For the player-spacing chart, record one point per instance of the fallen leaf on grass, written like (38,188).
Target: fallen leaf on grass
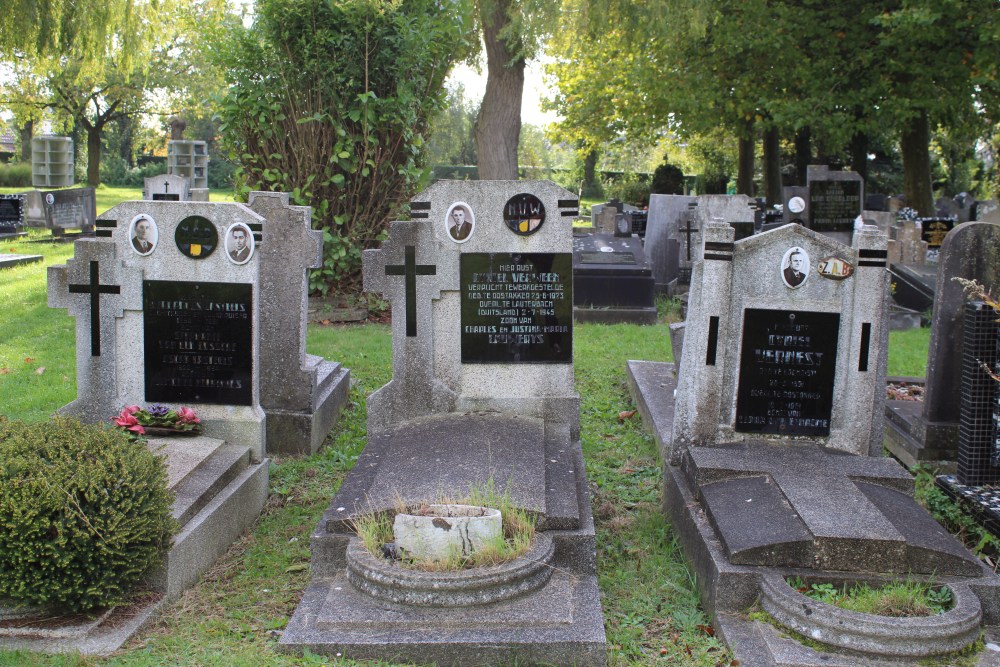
(297,568)
(39,370)
(626,414)
(707,629)
(29,360)
(4,371)
(325,322)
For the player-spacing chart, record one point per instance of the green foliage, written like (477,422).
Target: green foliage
(956,520)
(629,188)
(330,102)
(86,513)
(452,139)
(115,171)
(906,598)
(16,175)
(668,179)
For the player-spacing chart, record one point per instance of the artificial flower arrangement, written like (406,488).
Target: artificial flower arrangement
(158,420)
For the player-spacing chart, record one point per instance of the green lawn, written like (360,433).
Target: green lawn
(110,196)
(232,617)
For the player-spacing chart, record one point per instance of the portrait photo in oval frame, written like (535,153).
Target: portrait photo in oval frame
(795,265)
(239,243)
(143,234)
(460,222)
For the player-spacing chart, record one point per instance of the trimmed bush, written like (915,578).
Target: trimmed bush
(84,513)
(16,175)
(667,180)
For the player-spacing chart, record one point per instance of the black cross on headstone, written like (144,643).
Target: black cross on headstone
(687,232)
(411,270)
(95,289)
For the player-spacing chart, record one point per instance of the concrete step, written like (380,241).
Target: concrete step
(202,485)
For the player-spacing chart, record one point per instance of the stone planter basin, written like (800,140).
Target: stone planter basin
(440,532)
(895,637)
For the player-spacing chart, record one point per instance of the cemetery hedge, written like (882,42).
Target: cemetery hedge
(330,102)
(86,513)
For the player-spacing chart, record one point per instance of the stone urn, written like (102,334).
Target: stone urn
(440,532)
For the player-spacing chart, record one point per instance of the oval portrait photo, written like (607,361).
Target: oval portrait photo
(795,267)
(144,234)
(239,243)
(460,222)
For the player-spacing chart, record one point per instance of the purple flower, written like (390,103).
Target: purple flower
(158,410)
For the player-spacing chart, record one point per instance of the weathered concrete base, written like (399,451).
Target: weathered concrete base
(558,622)
(219,495)
(303,432)
(10,261)
(914,441)
(615,315)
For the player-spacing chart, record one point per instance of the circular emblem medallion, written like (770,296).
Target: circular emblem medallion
(524,214)
(196,237)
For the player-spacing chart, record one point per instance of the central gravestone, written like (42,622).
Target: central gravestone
(480,282)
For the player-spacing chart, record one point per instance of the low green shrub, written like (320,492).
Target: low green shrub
(16,175)
(630,189)
(84,513)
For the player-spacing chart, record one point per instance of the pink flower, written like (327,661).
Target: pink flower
(130,410)
(187,416)
(128,422)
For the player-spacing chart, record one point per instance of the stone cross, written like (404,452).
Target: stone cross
(410,269)
(94,288)
(688,229)
(839,520)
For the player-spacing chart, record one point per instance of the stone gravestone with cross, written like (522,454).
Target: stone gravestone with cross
(773,437)
(166,187)
(202,305)
(480,282)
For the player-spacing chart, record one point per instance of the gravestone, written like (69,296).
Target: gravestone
(166,187)
(772,443)
(482,390)
(918,431)
(11,215)
(988,211)
(835,200)
(196,304)
(200,306)
(612,280)
(662,246)
(75,208)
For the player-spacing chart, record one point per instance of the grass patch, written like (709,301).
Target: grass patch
(903,599)
(908,351)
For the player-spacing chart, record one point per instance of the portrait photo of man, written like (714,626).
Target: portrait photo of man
(795,267)
(460,222)
(144,234)
(239,243)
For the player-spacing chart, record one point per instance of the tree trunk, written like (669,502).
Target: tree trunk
(915,143)
(94,156)
(27,131)
(744,176)
(803,154)
(859,154)
(591,186)
(498,127)
(772,166)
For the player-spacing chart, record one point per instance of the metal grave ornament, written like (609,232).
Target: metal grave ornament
(196,237)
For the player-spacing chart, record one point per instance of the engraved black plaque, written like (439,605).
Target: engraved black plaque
(833,205)
(196,237)
(524,214)
(198,341)
(933,230)
(517,308)
(166,196)
(787,367)
(11,209)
